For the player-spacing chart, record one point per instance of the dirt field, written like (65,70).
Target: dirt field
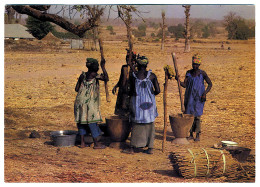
(39,95)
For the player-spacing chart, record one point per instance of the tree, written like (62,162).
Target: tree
(163,26)
(111,29)
(196,29)
(10,12)
(124,12)
(141,30)
(230,24)
(39,29)
(177,31)
(212,29)
(187,28)
(242,31)
(40,12)
(64,35)
(205,31)
(237,27)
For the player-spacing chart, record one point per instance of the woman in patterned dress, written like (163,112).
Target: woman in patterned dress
(143,88)
(87,103)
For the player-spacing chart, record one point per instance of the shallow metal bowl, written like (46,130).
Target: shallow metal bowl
(64,138)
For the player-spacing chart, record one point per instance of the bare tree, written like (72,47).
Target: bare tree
(187,28)
(124,12)
(163,26)
(10,12)
(40,12)
(230,24)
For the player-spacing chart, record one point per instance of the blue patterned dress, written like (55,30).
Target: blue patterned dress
(143,105)
(143,113)
(194,90)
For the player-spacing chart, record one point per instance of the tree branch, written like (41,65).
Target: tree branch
(43,16)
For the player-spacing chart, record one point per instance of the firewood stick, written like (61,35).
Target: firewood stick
(179,84)
(165,109)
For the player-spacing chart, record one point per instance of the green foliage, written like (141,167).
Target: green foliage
(196,29)
(111,29)
(77,22)
(39,29)
(252,32)
(237,28)
(142,27)
(138,33)
(212,28)
(152,35)
(159,34)
(89,34)
(202,30)
(242,30)
(154,25)
(141,31)
(11,21)
(205,31)
(177,31)
(64,35)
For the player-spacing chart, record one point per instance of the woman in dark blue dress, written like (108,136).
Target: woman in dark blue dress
(195,94)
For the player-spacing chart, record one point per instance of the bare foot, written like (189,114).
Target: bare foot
(99,147)
(128,151)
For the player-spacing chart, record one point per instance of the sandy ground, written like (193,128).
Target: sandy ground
(39,95)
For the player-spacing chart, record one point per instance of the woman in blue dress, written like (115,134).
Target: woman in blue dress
(143,88)
(195,94)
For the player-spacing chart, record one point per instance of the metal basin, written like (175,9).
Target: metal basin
(63,138)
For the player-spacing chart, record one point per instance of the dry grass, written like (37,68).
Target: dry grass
(39,95)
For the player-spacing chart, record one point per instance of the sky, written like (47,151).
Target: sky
(201,11)
(177,11)
(197,11)
(153,9)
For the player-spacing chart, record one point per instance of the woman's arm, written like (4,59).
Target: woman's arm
(104,76)
(155,84)
(208,81)
(183,84)
(131,85)
(119,81)
(80,79)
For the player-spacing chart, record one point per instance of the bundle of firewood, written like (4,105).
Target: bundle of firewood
(208,162)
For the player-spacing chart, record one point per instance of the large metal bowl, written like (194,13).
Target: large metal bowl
(63,138)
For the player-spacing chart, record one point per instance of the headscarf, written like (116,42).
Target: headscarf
(143,60)
(196,59)
(92,63)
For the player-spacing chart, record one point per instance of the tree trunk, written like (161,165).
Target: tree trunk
(187,28)
(10,14)
(163,30)
(100,41)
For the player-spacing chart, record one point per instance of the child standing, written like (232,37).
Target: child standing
(86,106)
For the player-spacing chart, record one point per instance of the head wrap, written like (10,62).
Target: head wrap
(92,63)
(143,60)
(196,59)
